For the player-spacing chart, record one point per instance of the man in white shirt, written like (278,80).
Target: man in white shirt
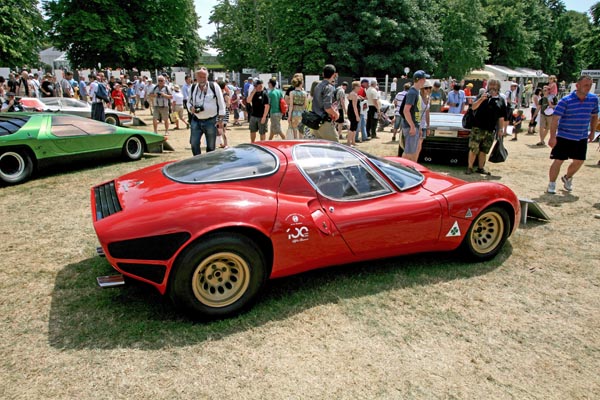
(207,106)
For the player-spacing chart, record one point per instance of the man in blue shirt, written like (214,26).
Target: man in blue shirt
(456,100)
(569,133)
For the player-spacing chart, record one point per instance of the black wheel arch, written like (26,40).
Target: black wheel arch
(257,237)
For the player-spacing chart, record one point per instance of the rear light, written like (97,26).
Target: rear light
(463,134)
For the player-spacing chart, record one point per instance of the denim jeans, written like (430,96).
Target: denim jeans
(201,127)
(362,129)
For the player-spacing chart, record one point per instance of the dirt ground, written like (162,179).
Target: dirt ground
(524,326)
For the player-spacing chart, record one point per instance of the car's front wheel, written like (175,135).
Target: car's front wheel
(487,234)
(218,276)
(112,119)
(133,149)
(16,166)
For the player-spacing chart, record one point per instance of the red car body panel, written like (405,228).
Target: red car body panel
(306,230)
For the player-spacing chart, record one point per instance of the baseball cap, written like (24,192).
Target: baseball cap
(420,74)
(344,83)
(258,82)
(437,84)
(427,84)
(373,81)
(513,83)
(363,80)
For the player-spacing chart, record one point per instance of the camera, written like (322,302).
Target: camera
(158,94)
(198,109)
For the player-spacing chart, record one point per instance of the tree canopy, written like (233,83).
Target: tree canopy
(136,33)
(361,37)
(22,33)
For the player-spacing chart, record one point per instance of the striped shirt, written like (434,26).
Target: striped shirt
(575,116)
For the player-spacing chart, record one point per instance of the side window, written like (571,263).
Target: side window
(10,124)
(338,174)
(64,127)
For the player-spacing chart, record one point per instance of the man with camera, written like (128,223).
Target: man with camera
(11,104)
(207,106)
(490,112)
(161,97)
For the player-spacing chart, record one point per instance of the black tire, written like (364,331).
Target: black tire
(133,149)
(16,166)
(487,234)
(219,276)
(112,119)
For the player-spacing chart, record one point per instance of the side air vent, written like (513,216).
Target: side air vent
(107,202)
(160,247)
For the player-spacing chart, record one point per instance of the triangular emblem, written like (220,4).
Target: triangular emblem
(469,214)
(454,231)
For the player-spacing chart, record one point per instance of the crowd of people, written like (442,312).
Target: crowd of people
(205,107)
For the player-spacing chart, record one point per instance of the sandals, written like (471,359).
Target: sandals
(483,171)
(540,143)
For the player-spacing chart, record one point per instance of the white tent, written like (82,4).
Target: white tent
(479,74)
(503,73)
(530,73)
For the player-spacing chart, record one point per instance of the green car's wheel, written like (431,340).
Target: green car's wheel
(112,119)
(487,234)
(218,276)
(133,149)
(15,166)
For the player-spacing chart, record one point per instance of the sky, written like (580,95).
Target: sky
(204,8)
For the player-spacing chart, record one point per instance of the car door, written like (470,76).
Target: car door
(375,218)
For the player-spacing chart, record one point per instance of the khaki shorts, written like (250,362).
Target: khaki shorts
(161,112)
(327,132)
(545,121)
(276,123)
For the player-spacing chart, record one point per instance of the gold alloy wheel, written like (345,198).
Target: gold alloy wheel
(487,232)
(221,279)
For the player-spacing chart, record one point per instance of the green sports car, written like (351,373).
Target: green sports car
(29,141)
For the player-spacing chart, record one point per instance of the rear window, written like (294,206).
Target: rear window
(10,124)
(241,162)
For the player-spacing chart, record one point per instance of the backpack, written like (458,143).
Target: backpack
(283,106)
(102,93)
(211,85)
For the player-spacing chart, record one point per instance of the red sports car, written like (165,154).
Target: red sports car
(209,231)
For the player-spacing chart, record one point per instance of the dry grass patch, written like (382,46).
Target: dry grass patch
(525,325)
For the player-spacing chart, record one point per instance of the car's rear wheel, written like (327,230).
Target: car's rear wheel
(112,119)
(133,149)
(218,276)
(487,233)
(16,166)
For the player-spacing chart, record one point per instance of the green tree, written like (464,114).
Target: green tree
(136,33)
(509,38)
(465,46)
(378,38)
(21,35)
(575,29)
(589,45)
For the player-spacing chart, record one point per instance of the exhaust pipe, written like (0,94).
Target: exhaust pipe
(110,281)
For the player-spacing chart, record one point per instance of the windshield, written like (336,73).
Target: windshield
(403,177)
(241,162)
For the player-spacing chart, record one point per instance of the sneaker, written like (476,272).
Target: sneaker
(551,188)
(567,182)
